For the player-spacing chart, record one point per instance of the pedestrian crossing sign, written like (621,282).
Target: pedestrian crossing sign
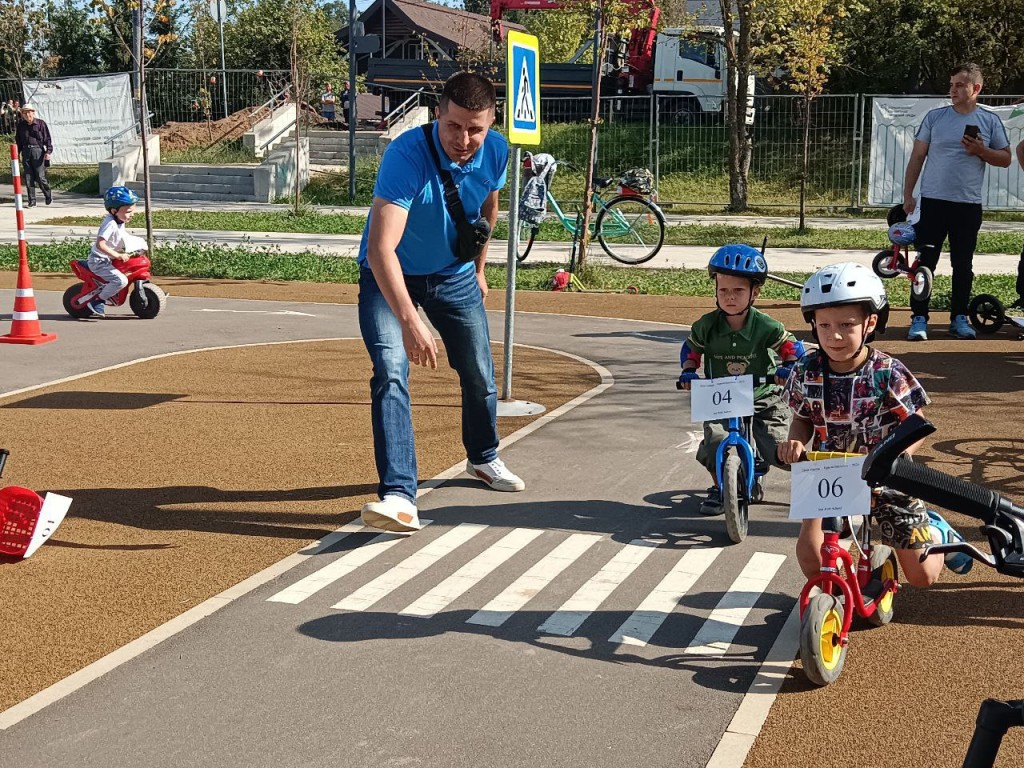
(522,88)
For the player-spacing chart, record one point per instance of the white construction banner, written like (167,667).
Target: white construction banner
(84,115)
(894,122)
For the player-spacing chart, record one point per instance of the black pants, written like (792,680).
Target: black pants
(35,173)
(1020,275)
(961,222)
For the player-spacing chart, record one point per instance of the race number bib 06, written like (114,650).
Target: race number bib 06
(724,398)
(830,488)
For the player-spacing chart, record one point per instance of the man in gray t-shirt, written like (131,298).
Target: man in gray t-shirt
(957,141)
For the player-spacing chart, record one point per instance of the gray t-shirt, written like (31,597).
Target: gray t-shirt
(949,172)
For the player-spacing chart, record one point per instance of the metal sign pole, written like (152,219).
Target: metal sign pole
(510,288)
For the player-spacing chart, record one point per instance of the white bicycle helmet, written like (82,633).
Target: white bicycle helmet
(846,283)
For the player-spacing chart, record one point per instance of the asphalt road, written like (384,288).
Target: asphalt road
(586,621)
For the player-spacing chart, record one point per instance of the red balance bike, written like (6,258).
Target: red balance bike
(895,261)
(867,590)
(145,299)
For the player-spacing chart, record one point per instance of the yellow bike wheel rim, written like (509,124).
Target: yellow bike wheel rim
(888,572)
(831,630)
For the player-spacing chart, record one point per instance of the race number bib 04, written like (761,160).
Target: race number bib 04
(724,398)
(830,488)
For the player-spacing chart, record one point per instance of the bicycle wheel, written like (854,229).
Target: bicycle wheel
(880,264)
(821,651)
(883,566)
(921,283)
(735,505)
(527,233)
(987,313)
(630,229)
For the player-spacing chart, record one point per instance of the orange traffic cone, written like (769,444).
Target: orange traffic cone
(25,320)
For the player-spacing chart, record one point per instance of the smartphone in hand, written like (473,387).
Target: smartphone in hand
(972,131)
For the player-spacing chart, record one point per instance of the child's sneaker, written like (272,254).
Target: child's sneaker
(960,327)
(392,513)
(497,475)
(712,505)
(97,308)
(957,562)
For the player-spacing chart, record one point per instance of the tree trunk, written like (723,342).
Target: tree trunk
(144,135)
(807,159)
(595,116)
(296,92)
(738,54)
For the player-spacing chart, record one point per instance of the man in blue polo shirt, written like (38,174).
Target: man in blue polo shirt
(409,258)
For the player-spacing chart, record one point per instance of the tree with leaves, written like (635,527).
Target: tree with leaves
(560,33)
(807,41)
(75,41)
(23,34)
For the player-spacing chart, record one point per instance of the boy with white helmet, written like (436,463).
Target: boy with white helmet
(847,398)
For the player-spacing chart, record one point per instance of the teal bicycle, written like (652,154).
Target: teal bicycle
(629,226)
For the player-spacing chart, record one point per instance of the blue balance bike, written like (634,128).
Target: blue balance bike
(739,470)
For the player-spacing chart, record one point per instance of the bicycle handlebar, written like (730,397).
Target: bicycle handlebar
(1004,520)
(4,453)
(758,380)
(994,719)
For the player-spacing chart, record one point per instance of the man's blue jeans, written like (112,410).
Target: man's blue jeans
(455,307)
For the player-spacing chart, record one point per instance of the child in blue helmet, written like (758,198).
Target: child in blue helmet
(109,246)
(738,339)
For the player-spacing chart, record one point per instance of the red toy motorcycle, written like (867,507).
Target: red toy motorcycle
(145,299)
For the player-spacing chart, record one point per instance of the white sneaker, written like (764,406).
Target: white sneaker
(496,475)
(392,513)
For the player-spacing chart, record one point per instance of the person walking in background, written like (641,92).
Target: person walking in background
(415,253)
(953,145)
(35,148)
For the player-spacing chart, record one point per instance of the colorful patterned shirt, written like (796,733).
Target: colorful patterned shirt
(862,406)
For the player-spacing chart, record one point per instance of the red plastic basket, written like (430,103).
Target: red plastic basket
(19,515)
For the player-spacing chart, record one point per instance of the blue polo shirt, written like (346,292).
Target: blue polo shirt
(408,177)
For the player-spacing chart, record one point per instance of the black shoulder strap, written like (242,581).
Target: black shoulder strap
(451,192)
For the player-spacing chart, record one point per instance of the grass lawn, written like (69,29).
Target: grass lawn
(690,234)
(198,260)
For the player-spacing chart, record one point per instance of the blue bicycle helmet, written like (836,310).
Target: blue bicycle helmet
(739,260)
(118,196)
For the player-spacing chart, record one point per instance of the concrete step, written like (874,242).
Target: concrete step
(224,198)
(200,190)
(202,170)
(195,178)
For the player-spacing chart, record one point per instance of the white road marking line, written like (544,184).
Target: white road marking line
(588,598)
(368,594)
(343,566)
(718,632)
(258,312)
(640,627)
(749,719)
(471,573)
(527,586)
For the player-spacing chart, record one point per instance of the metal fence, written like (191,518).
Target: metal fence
(195,95)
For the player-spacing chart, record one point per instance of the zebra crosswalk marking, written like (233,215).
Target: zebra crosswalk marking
(718,632)
(591,595)
(471,573)
(369,594)
(640,627)
(343,566)
(527,586)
